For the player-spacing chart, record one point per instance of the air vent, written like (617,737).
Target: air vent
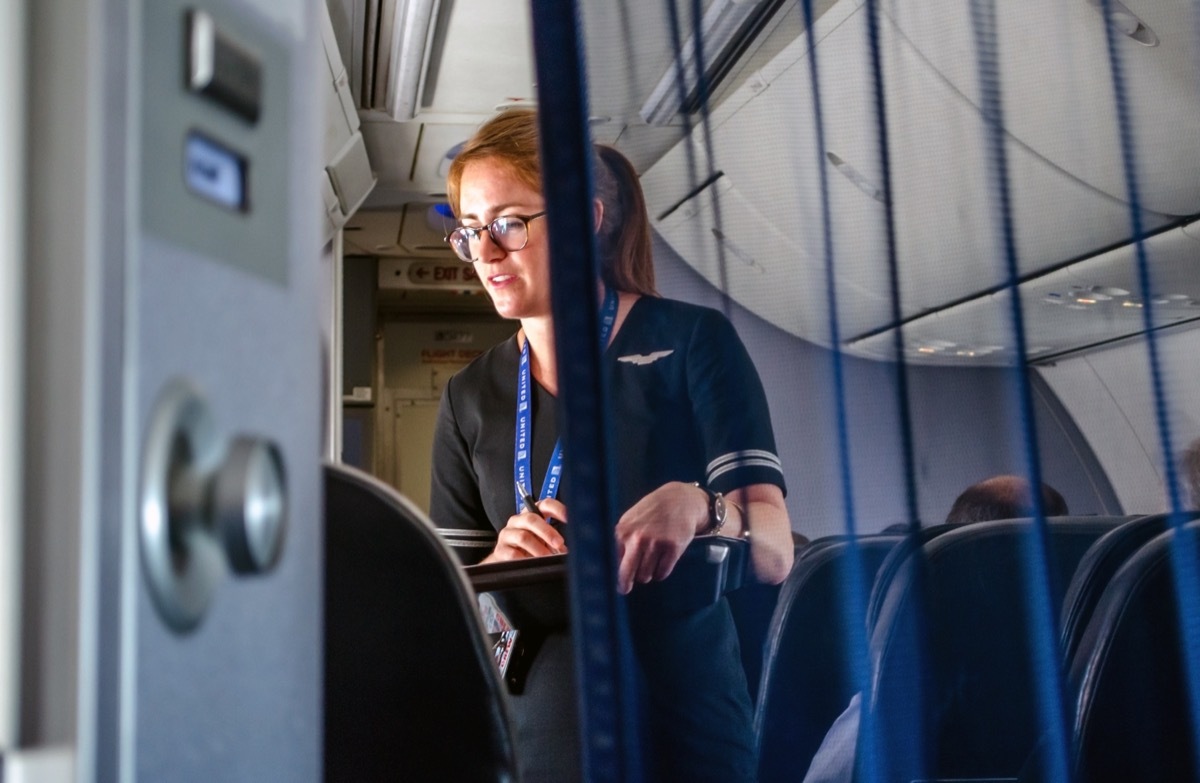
(391,28)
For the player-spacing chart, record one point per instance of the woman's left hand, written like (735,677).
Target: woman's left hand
(652,535)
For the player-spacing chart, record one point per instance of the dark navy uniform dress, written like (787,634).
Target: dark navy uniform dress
(687,405)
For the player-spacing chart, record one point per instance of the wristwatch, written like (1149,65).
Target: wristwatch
(716,511)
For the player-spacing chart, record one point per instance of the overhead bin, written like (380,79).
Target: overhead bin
(943,193)
(348,178)
(1056,77)
(742,253)
(1089,303)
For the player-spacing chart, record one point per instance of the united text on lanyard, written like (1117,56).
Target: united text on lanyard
(523,443)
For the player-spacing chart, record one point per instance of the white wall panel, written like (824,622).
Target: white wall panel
(1110,395)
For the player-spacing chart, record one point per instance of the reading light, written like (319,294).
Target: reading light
(723,31)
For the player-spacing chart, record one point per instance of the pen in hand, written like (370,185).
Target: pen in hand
(531,507)
(527,499)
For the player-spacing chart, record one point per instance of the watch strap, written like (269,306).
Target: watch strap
(717,511)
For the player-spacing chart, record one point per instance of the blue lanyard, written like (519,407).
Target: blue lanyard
(524,439)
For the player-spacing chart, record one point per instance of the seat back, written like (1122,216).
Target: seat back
(1133,720)
(954,690)
(892,563)
(1098,566)
(752,607)
(807,676)
(411,689)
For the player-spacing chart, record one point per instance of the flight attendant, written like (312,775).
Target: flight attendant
(695,454)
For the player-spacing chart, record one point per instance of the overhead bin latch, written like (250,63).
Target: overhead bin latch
(1125,21)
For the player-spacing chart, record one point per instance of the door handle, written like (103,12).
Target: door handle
(205,504)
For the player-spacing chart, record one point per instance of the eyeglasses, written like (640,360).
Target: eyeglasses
(509,232)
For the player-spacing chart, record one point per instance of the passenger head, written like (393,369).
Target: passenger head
(1003,497)
(623,237)
(1189,475)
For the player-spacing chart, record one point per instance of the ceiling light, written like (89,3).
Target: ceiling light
(440,218)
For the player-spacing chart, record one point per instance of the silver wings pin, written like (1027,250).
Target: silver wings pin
(644,358)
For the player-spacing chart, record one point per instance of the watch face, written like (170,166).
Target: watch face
(718,509)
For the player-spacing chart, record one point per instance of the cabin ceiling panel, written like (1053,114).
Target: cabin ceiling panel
(371,233)
(410,159)
(423,230)
(1091,302)
(945,197)
(1058,89)
(434,155)
(415,230)
(391,147)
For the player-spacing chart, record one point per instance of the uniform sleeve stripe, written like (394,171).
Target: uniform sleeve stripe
(742,465)
(739,457)
(726,468)
(459,544)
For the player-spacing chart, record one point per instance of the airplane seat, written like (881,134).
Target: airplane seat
(411,689)
(1133,719)
(892,563)
(1099,564)
(954,689)
(753,606)
(807,676)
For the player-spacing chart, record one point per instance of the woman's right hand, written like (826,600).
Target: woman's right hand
(528,535)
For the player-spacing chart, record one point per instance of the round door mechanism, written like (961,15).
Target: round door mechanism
(250,504)
(204,504)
